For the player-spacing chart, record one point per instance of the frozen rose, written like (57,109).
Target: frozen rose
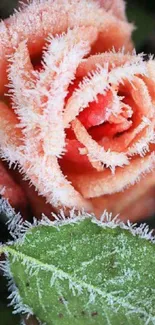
(79,124)
(118,138)
(41,19)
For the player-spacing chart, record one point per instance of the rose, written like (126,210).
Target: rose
(73,108)
(34,24)
(136,132)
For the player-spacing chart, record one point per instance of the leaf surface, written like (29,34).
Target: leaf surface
(85,273)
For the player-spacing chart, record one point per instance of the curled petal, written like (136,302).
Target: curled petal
(86,93)
(43,125)
(43,99)
(96,184)
(117,7)
(96,152)
(136,203)
(40,19)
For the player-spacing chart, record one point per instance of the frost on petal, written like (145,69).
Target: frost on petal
(117,7)
(10,134)
(150,78)
(112,58)
(97,184)
(39,103)
(46,175)
(130,134)
(134,203)
(42,99)
(86,92)
(79,125)
(40,19)
(95,152)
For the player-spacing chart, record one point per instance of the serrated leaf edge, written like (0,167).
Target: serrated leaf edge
(19,229)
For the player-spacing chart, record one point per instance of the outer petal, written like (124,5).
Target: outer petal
(134,204)
(12,191)
(36,157)
(117,7)
(41,19)
(100,183)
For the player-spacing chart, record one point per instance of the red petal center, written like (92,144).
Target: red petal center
(94,120)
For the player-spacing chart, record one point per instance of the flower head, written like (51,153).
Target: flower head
(80,125)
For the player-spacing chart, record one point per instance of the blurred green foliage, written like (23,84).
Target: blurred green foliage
(144,22)
(7,316)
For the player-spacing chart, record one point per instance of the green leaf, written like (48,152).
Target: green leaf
(84,272)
